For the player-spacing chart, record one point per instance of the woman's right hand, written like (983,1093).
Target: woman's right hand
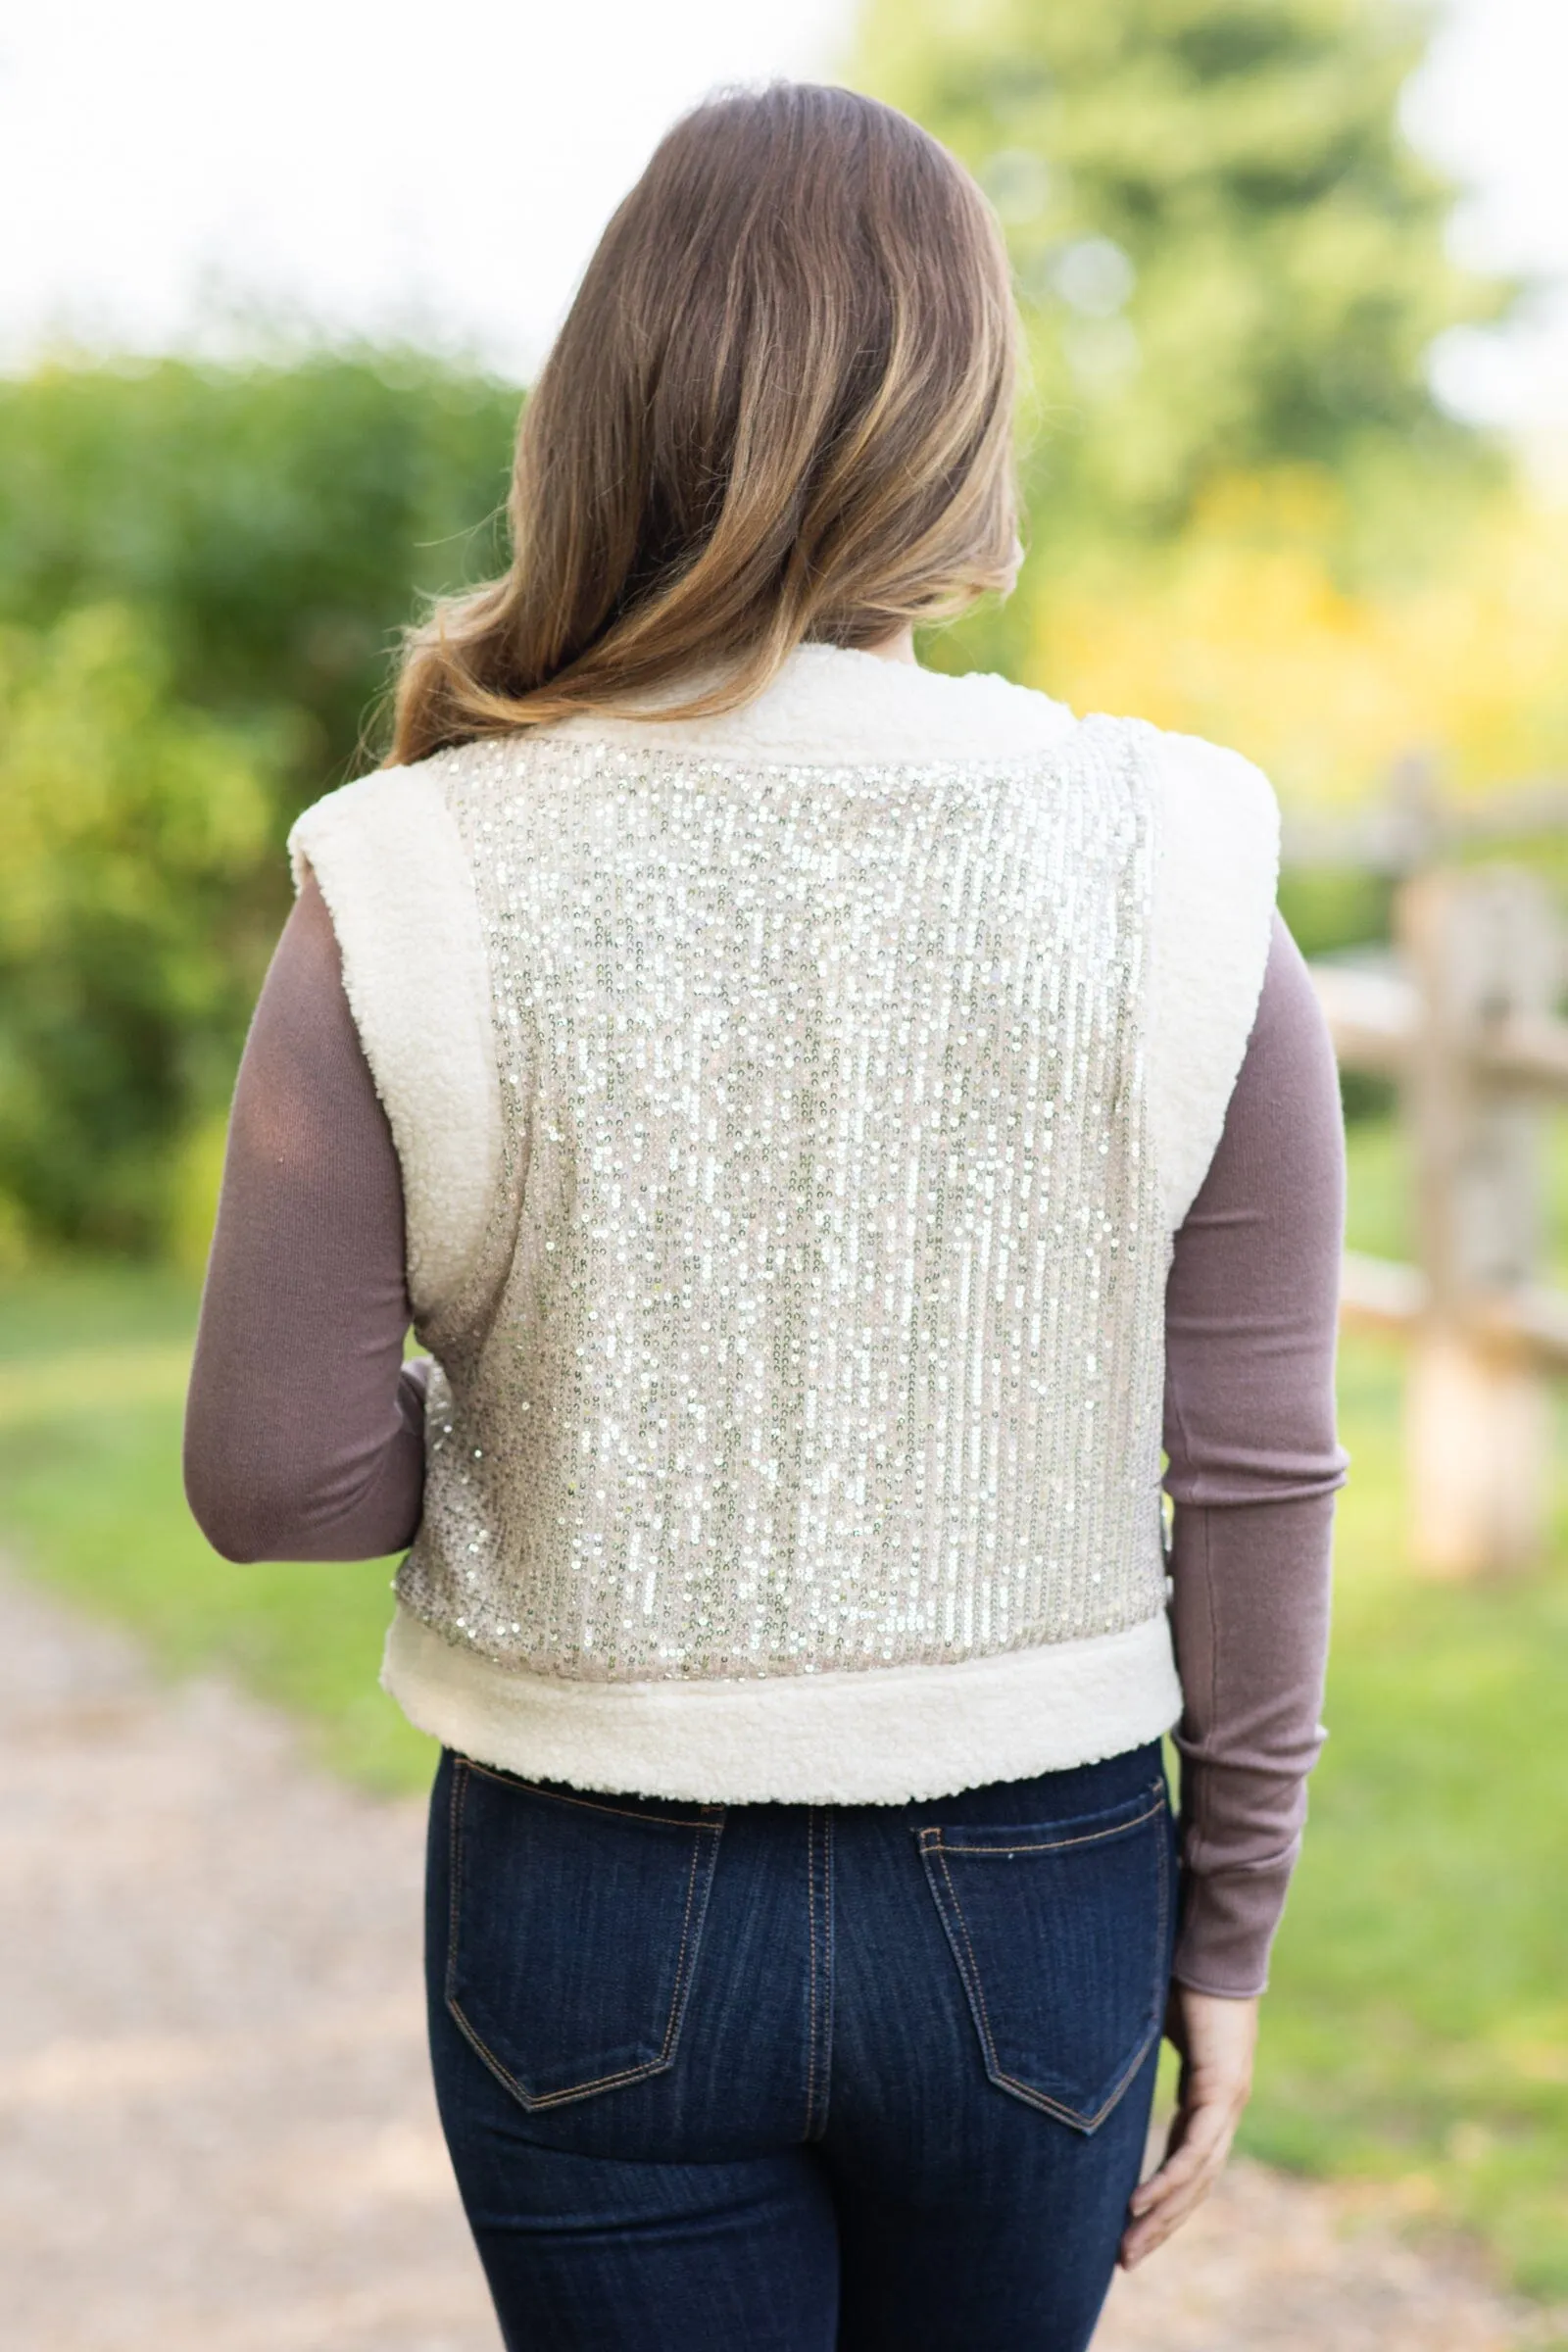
(1217,2039)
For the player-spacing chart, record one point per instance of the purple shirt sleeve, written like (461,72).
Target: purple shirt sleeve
(304,1429)
(304,1426)
(1251,1315)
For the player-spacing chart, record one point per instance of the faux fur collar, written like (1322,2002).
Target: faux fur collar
(829,704)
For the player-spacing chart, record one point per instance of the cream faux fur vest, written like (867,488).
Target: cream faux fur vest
(795,1110)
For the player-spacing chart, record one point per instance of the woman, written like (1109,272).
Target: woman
(828,1123)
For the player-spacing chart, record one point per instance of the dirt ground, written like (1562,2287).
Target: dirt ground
(216,2129)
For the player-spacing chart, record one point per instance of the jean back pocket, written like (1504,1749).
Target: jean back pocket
(573,1934)
(1061,1936)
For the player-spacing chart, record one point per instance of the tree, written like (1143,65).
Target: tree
(202,575)
(279,521)
(1228,255)
(130,826)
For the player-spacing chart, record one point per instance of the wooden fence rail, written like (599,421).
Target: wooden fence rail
(1463,1016)
(1416,825)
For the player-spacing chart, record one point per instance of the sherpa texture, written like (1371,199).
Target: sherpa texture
(1210,922)
(398,886)
(880,1736)
(830,705)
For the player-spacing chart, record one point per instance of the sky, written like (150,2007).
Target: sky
(168,167)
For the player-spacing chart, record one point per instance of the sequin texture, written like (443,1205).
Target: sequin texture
(820,1321)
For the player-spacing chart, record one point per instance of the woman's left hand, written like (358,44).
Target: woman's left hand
(1216,2038)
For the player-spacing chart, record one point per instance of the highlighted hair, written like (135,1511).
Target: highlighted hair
(779,409)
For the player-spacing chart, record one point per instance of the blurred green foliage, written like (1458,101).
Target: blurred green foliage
(279,520)
(1250,519)
(1228,256)
(130,825)
(202,575)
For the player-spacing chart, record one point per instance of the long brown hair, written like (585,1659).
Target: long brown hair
(780,408)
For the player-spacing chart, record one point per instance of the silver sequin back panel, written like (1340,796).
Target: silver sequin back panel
(821,1322)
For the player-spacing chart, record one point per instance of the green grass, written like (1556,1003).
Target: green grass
(1416,2026)
(92,1379)
(1416,2030)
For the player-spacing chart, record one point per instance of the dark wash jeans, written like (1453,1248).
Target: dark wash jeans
(773,2077)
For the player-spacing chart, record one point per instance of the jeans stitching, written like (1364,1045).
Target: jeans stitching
(573,2090)
(822,2009)
(931,1840)
(827,1953)
(1163,1975)
(678,2002)
(1075,2115)
(632,2074)
(811,1937)
(455,1875)
(1151,2031)
(590,1804)
(972,1973)
(1049,1845)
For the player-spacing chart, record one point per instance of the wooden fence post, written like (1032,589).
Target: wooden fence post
(1480,947)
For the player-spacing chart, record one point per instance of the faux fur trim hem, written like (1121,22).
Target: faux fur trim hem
(397,883)
(1210,922)
(884,1736)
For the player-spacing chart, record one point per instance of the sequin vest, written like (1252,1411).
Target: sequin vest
(795,1109)
(822,1320)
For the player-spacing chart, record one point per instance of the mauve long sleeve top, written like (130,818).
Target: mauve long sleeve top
(304,1433)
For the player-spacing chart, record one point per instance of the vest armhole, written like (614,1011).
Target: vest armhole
(392,869)
(1216,875)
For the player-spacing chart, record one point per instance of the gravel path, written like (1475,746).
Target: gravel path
(215,2130)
